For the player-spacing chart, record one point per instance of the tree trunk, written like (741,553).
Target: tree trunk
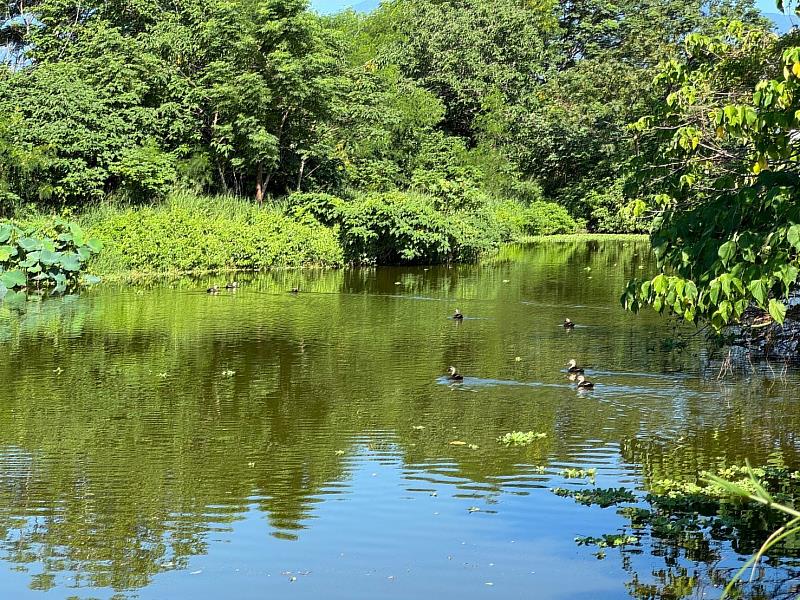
(260,185)
(300,174)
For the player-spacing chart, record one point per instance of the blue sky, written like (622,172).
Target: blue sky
(329,6)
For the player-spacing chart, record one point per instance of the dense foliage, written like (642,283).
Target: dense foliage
(186,232)
(468,102)
(720,162)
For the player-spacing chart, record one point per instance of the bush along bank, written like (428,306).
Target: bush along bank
(49,258)
(187,233)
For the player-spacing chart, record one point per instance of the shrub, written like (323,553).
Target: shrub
(191,233)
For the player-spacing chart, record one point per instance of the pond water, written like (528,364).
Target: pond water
(161,443)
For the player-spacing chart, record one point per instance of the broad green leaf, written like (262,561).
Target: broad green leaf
(7,252)
(77,234)
(727,251)
(94,245)
(46,257)
(777,310)
(13,279)
(29,244)
(793,236)
(759,291)
(70,262)
(6,229)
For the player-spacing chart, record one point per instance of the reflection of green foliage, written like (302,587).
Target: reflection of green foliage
(736,504)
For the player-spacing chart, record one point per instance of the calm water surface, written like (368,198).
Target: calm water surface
(161,443)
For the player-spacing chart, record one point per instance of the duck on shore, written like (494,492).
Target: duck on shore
(458,316)
(584,384)
(572,367)
(568,324)
(454,375)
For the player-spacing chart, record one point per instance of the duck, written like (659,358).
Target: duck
(568,324)
(584,384)
(454,375)
(233,285)
(295,290)
(214,289)
(572,367)
(458,316)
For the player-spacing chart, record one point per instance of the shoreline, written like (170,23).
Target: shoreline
(149,276)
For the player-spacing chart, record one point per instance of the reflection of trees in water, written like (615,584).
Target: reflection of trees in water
(120,466)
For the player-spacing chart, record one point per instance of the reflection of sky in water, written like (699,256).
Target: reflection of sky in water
(260,436)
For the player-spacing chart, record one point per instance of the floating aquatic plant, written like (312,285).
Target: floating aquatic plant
(520,438)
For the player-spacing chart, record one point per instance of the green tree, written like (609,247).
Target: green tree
(724,178)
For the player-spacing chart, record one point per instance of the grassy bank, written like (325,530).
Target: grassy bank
(188,233)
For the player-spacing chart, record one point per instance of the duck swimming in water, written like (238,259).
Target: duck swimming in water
(584,384)
(214,289)
(295,290)
(572,367)
(458,316)
(233,285)
(454,375)
(568,324)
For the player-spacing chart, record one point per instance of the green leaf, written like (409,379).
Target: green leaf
(727,251)
(94,245)
(6,229)
(46,257)
(70,262)
(7,252)
(77,234)
(759,291)
(12,279)
(777,310)
(793,236)
(29,244)
(90,280)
